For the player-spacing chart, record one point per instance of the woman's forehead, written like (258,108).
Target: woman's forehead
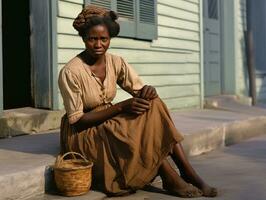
(98,29)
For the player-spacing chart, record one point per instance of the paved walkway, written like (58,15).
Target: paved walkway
(237,171)
(24,160)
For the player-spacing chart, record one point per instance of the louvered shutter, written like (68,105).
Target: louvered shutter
(127,17)
(146,19)
(137,18)
(102,3)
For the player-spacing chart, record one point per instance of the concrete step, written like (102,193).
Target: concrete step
(234,104)
(25,160)
(28,120)
(235,170)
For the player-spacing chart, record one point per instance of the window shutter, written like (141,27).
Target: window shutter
(137,18)
(127,17)
(101,3)
(146,19)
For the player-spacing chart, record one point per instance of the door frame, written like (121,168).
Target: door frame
(228,33)
(219,2)
(228,46)
(44,53)
(50,63)
(1,62)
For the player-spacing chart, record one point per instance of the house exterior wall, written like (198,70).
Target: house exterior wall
(171,63)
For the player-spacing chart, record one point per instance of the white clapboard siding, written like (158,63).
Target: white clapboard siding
(178,23)
(64,26)
(167,69)
(152,56)
(70,41)
(169,11)
(193,1)
(67,9)
(166,92)
(171,80)
(177,44)
(64,55)
(183,102)
(177,33)
(74,1)
(181,4)
(171,62)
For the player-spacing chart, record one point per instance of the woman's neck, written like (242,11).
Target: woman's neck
(90,60)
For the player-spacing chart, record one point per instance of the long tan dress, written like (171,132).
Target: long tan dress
(127,149)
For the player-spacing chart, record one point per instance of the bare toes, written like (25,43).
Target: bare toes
(188,191)
(210,191)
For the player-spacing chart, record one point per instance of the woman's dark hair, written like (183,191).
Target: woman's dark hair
(92,16)
(112,26)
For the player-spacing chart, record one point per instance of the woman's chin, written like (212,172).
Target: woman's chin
(98,54)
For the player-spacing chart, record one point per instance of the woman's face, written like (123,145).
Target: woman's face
(98,41)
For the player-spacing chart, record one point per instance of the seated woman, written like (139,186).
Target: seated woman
(128,142)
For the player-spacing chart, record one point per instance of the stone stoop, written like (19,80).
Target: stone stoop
(28,120)
(25,161)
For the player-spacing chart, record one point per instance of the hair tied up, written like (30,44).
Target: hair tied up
(113,15)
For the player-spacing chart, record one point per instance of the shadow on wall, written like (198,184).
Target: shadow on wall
(260,76)
(261,87)
(242,54)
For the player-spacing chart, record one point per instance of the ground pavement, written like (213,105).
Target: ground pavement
(25,160)
(238,171)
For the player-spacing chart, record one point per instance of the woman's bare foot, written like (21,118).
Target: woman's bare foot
(207,190)
(189,174)
(174,184)
(188,191)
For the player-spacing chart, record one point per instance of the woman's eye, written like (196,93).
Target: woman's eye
(91,39)
(104,39)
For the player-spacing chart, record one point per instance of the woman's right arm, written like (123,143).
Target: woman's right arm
(132,106)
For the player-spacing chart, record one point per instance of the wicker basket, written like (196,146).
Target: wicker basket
(72,176)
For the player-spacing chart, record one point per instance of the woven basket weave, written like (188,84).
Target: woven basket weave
(72,176)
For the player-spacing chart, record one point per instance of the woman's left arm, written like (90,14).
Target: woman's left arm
(129,80)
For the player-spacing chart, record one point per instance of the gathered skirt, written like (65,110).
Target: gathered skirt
(126,150)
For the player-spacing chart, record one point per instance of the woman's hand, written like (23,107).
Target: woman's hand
(135,105)
(148,92)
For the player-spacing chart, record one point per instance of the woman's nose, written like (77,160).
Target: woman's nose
(98,43)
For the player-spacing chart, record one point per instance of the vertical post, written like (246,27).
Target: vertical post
(201,55)
(250,54)
(44,53)
(53,53)
(1,62)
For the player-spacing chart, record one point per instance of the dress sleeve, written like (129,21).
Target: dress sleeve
(71,94)
(128,79)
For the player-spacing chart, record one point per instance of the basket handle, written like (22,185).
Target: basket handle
(72,153)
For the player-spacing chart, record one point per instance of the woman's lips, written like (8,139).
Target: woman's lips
(98,51)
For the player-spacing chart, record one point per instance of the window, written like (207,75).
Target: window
(137,18)
(213,9)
